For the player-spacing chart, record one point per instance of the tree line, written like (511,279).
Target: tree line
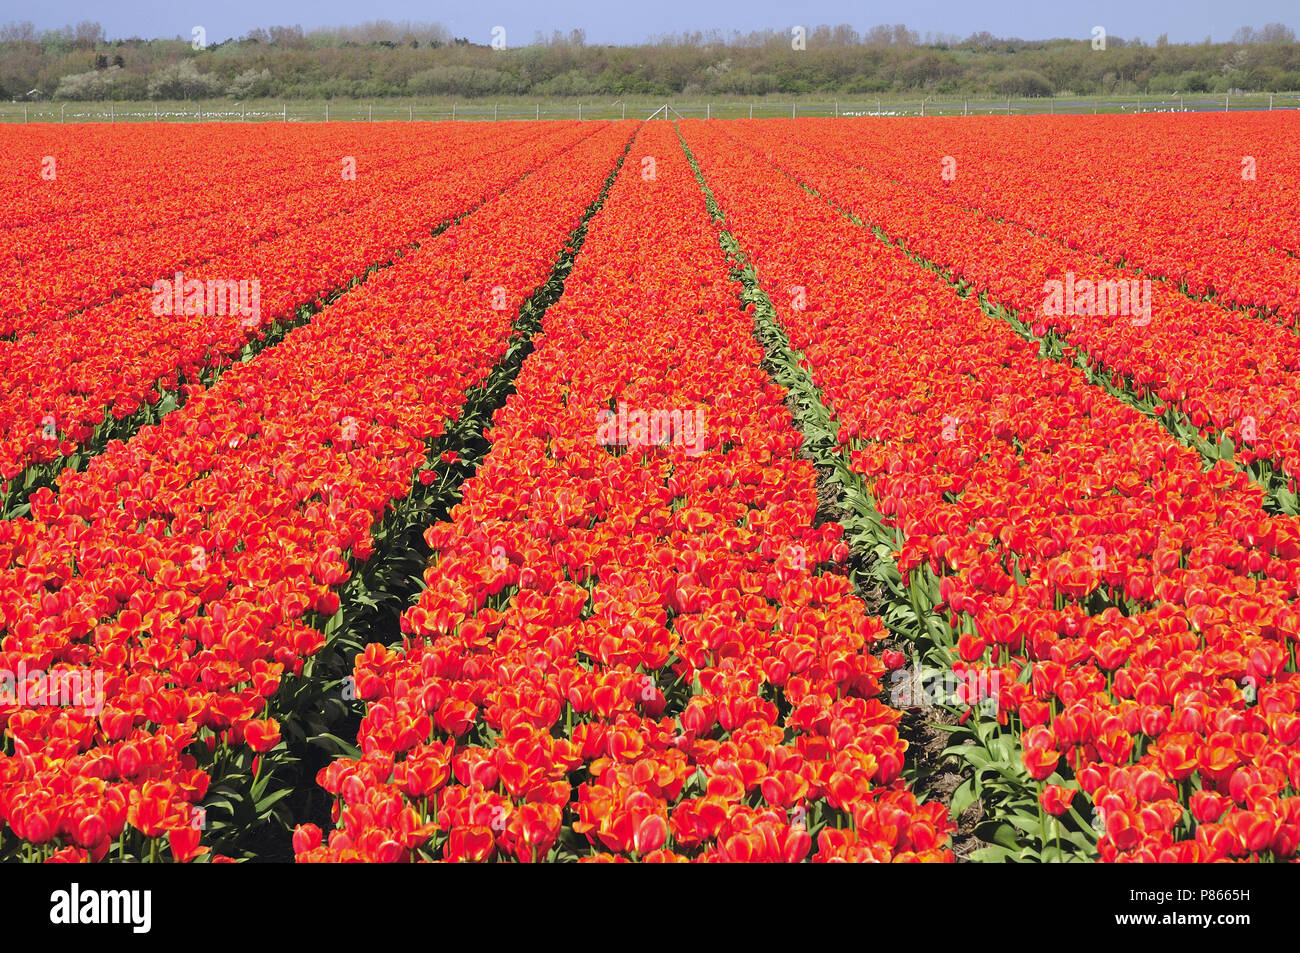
(382,59)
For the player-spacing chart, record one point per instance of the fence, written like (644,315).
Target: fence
(389,111)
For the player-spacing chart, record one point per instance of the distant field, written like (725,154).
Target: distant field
(631,108)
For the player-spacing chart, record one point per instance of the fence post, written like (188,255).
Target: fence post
(579,112)
(453,112)
(372,113)
(793,113)
(25,112)
(625,110)
(539,111)
(837,109)
(751,110)
(327,112)
(61,108)
(112,118)
(284,113)
(1270,102)
(495,111)
(708,110)
(410,115)
(1225,102)
(877,107)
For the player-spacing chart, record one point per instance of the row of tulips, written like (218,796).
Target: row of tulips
(1218,376)
(32,195)
(73,262)
(1134,612)
(67,384)
(181,570)
(644,650)
(1224,220)
(209,156)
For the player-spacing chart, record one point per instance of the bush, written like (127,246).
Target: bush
(130,88)
(250,84)
(459,80)
(183,81)
(744,83)
(868,84)
(1022,82)
(572,83)
(1165,83)
(95,84)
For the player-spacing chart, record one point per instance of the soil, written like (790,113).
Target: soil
(932,776)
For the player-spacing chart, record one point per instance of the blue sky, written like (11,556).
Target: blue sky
(630,21)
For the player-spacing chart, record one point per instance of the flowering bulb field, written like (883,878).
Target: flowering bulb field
(704,491)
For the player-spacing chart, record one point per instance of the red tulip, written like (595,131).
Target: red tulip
(650,834)
(184,844)
(306,837)
(262,736)
(1056,799)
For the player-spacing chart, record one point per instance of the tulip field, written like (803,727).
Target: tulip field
(779,490)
